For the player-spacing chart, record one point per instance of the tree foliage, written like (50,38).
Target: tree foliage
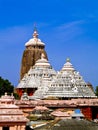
(96,91)
(5,86)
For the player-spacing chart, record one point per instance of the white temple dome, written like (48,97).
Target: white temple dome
(68,66)
(42,62)
(35,40)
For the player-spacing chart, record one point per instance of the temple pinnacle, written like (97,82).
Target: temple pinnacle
(68,60)
(35,34)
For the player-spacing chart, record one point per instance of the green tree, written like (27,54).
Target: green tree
(96,91)
(5,86)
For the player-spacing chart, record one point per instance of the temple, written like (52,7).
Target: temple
(42,87)
(11,117)
(43,82)
(34,49)
(68,83)
(38,78)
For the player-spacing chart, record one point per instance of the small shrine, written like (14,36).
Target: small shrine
(11,117)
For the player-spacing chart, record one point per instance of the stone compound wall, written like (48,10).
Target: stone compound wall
(14,127)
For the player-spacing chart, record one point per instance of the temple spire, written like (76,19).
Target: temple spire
(68,60)
(35,33)
(42,56)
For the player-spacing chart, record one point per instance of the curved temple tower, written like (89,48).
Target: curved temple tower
(34,49)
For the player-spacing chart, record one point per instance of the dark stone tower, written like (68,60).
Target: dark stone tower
(33,51)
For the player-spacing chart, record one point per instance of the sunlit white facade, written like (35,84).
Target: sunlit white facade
(67,83)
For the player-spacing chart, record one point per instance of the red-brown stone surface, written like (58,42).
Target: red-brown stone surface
(30,56)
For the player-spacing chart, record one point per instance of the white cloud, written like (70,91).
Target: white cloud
(71,24)
(66,32)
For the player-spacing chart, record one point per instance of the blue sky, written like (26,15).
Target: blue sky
(69,28)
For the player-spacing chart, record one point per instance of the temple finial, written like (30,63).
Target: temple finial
(35,28)
(42,56)
(68,60)
(35,34)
